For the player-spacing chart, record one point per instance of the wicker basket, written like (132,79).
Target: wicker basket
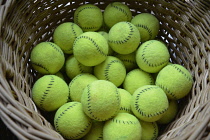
(185,27)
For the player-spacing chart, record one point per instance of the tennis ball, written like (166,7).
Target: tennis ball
(170,113)
(65,34)
(78,84)
(149,103)
(89,46)
(73,67)
(149,130)
(123,126)
(152,56)
(89,17)
(96,131)
(106,36)
(125,104)
(112,69)
(129,60)
(147,24)
(116,12)
(59,74)
(47,90)
(136,79)
(101,100)
(71,122)
(47,58)
(175,80)
(124,38)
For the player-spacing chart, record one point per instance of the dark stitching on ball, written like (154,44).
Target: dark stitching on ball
(167,90)
(155,133)
(146,28)
(178,69)
(80,67)
(106,71)
(76,17)
(127,38)
(129,61)
(123,121)
(39,65)
(58,50)
(46,92)
(125,109)
(93,42)
(74,32)
(140,111)
(120,9)
(145,59)
(151,79)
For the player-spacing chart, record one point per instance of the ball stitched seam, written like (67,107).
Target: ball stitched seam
(147,61)
(167,90)
(131,30)
(77,17)
(125,109)
(39,65)
(146,28)
(46,92)
(120,9)
(93,42)
(185,75)
(136,105)
(80,67)
(57,49)
(129,61)
(155,133)
(124,121)
(106,71)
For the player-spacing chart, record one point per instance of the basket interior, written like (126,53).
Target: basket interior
(184,27)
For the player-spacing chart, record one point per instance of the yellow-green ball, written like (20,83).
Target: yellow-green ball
(47,90)
(71,122)
(78,84)
(124,126)
(65,34)
(112,69)
(101,100)
(124,38)
(147,24)
(73,67)
(89,17)
(106,36)
(170,113)
(129,60)
(149,103)
(152,56)
(149,130)
(47,58)
(116,12)
(136,79)
(175,80)
(96,131)
(125,104)
(90,48)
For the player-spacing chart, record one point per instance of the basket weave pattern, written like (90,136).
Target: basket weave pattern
(185,27)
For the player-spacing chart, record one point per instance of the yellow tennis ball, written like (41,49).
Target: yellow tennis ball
(47,90)
(89,17)
(124,38)
(106,36)
(90,48)
(149,103)
(47,58)
(136,79)
(60,74)
(175,80)
(71,122)
(129,60)
(78,84)
(125,104)
(101,100)
(149,130)
(123,126)
(65,34)
(116,12)
(170,113)
(147,24)
(73,67)
(152,56)
(112,69)
(96,131)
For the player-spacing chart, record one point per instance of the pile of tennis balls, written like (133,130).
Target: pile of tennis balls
(107,76)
